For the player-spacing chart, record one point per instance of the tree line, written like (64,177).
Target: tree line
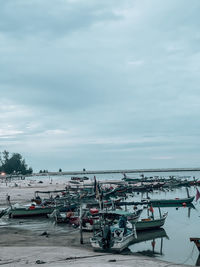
(13,164)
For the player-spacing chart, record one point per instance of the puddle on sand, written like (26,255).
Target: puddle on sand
(36,225)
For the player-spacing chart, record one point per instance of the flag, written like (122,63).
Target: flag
(95,184)
(197,194)
(151,209)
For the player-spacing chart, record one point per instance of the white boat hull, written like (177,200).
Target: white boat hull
(118,244)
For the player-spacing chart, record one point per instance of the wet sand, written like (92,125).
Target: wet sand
(23,248)
(11,236)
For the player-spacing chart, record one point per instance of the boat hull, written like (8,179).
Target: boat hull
(150,224)
(23,212)
(118,245)
(171,201)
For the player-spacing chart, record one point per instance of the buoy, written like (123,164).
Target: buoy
(94,210)
(153,244)
(151,209)
(184,204)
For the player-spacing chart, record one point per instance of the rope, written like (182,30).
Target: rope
(190,255)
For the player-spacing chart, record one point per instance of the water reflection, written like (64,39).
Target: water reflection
(36,225)
(149,235)
(198,261)
(196,242)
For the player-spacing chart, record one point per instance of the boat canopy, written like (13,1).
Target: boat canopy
(116,212)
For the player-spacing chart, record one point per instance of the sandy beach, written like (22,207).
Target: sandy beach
(21,191)
(20,246)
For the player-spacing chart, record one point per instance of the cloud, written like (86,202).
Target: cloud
(104,82)
(54,18)
(136,62)
(163,158)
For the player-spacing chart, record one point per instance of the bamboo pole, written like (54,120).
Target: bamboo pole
(81,224)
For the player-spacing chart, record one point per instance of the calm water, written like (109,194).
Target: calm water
(171,244)
(181,224)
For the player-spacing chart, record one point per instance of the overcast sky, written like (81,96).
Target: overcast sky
(100,84)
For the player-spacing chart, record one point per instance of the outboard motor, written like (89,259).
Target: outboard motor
(106,239)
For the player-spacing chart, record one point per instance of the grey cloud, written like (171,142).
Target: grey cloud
(83,82)
(58,17)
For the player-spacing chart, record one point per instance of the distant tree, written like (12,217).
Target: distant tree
(60,170)
(14,164)
(4,157)
(30,170)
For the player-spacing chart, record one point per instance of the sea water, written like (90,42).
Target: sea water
(181,224)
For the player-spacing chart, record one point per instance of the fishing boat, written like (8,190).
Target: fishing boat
(175,205)
(114,215)
(17,211)
(150,223)
(89,218)
(112,239)
(176,200)
(113,236)
(130,179)
(80,179)
(32,210)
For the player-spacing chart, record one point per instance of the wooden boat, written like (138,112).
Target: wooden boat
(29,211)
(113,215)
(16,211)
(146,186)
(176,200)
(112,237)
(89,217)
(154,182)
(174,205)
(81,179)
(130,179)
(196,240)
(171,201)
(150,223)
(158,204)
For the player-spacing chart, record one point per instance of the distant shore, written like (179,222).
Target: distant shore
(150,170)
